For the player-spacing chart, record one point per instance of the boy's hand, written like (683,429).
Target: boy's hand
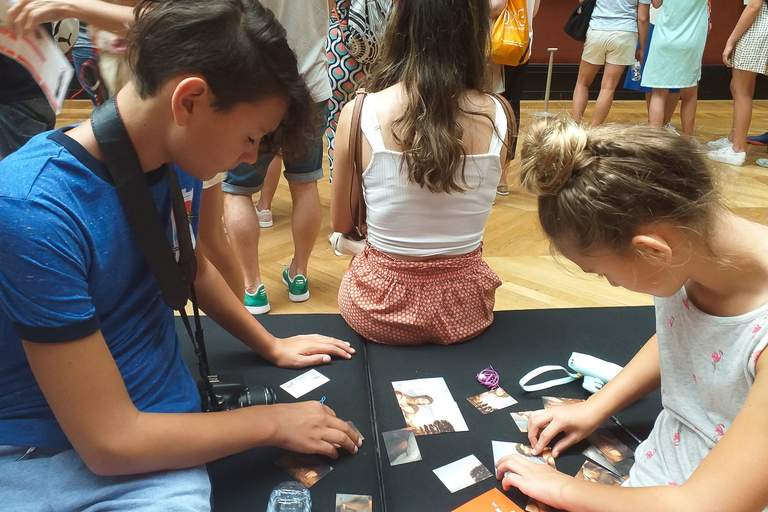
(539,481)
(576,421)
(309,350)
(311,427)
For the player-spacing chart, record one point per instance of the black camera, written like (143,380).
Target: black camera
(232,392)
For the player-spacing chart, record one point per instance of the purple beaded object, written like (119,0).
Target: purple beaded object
(488,378)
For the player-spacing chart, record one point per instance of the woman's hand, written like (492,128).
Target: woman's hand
(539,481)
(308,350)
(576,421)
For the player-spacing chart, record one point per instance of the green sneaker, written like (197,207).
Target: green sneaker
(257,304)
(298,287)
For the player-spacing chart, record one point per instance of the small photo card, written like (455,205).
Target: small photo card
(401,446)
(491,401)
(504,448)
(307,469)
(491,501)
(304,383)
(355,430)
(611,447)
(354,503)
(593,473)
(462,473)
(521,420)
(556,401)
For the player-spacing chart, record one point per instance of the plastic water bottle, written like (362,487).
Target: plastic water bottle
(290,497)
(636,71)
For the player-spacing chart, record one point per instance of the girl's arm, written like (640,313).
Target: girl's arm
(638,378)
(657,3)
(643,24)
(535,9)
(344,197)
(26,15)
(745,21)
(496,7)
(733,476)
(226,309)
(86,392)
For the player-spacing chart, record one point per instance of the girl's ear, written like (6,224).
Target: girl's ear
(653,244)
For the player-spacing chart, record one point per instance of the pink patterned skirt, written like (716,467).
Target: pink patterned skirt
(398,302)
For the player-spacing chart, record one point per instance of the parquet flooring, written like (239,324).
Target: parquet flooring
(514,246)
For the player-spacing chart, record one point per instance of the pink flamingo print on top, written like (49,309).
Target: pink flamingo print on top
(676,438)
(756,356)
(716,356)
(719,430)
(671,320)
(685,303)
(650,453)
(695,379)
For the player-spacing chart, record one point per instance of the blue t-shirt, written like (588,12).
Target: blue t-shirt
(618,15)
(70,264)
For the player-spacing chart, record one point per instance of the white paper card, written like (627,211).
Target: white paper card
(305,383)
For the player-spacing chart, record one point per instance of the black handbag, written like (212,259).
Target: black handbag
(578,23)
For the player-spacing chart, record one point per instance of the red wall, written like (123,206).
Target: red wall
(552,15)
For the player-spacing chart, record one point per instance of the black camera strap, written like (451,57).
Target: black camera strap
(175,279)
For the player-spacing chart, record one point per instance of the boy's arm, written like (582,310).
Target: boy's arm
(86,392)
(733,476)
(218,302)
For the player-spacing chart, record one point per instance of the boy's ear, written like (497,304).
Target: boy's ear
(189,96)
(653,243)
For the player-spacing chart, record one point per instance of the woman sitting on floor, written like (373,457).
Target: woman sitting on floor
(432,155)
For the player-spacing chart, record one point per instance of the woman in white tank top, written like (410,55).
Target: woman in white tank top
(432,155)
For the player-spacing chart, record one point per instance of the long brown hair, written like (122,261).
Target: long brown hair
(597,186)
(438,50)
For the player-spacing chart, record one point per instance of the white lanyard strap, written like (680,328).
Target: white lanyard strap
(528,377)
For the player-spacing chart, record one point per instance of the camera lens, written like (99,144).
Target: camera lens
(261,396)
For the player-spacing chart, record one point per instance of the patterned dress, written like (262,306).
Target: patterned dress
(345,73)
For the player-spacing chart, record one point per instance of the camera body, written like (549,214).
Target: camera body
(232,392)
(596,372)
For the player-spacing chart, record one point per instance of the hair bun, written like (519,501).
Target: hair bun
(553,150)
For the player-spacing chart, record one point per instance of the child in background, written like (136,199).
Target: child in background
(746,52)
(641,208)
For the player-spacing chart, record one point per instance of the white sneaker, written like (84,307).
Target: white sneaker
(671,129)
(728,156)
(343,245)
(715,145)
(265,217)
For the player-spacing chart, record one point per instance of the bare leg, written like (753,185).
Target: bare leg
(243,229)
(743,90)
(213,243)
(657,106)
(612,74)
(689,98)
(271,181)
(305,224)
(669,108)
(587,73)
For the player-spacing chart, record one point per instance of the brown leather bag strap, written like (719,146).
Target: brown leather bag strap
(356,165)
(509,138)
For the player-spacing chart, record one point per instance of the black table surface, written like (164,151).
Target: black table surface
(361,390)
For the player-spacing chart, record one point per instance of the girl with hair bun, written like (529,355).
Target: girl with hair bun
(640,207)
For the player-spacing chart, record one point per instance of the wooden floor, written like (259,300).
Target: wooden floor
(514,246)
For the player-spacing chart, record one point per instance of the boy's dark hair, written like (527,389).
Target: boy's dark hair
(237,46)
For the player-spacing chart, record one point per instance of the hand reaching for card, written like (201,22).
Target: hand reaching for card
(538,481)
(576,421)
(311,427)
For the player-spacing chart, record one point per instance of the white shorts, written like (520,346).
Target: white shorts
(611,46)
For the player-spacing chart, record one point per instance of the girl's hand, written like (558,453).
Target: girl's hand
(26,15)
(309,350)
(576,421)
(539,481)
(311,427)
(728,53)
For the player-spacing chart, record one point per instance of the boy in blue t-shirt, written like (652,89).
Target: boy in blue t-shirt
(95,401)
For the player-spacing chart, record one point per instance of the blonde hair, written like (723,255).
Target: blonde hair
(596,186)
